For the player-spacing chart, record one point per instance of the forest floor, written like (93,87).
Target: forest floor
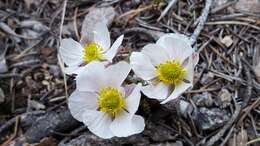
(223,106)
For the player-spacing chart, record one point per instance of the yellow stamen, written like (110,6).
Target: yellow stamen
(111,101)
(170,72)
(92,51)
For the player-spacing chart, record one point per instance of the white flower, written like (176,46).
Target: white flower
(167,66)
(102,104)
(94,46)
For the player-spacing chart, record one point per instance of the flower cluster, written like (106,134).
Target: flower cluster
(102,101)
(167,66)
(96,47)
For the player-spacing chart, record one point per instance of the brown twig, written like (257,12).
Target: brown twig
(247,111)
(132,13)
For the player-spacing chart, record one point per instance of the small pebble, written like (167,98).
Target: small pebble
(227,41)
(211,118)
(204,99)
(206,78)
(224,98)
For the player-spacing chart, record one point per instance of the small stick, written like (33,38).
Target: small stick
(10,75)
(249,86)
(151,33)
(223,6)
(248,110)
(233,23)
(201,21)
(7,124)
(132,13)
(253,141)
(23,53)
(9,31)
(7,143)
(73,133)
(166,9)
(228,136)
(75,23)
(61,63)
(221,55)
(202,90)
(12,91)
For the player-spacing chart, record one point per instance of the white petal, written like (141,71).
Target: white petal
(101,36)
(117,73)
(92,77)
(177,91)
(190,69)
(79,102)
(193,61)
(142,66)
(156,53)
(127,124)
(133,100)
(129,89)
(195,58)
(73,69)
(159,91)
(98,123)
(178,36)
(71,52)
(177,47)
(122,91)
(111,53)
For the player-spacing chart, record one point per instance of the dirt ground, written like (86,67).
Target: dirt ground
(222,108)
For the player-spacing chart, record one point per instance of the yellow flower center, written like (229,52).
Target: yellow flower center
(92,51)
(111,101)
(170,72)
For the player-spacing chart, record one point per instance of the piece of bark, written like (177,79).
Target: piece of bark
(89,139)
(58,121)
(211,118)
(152,132)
